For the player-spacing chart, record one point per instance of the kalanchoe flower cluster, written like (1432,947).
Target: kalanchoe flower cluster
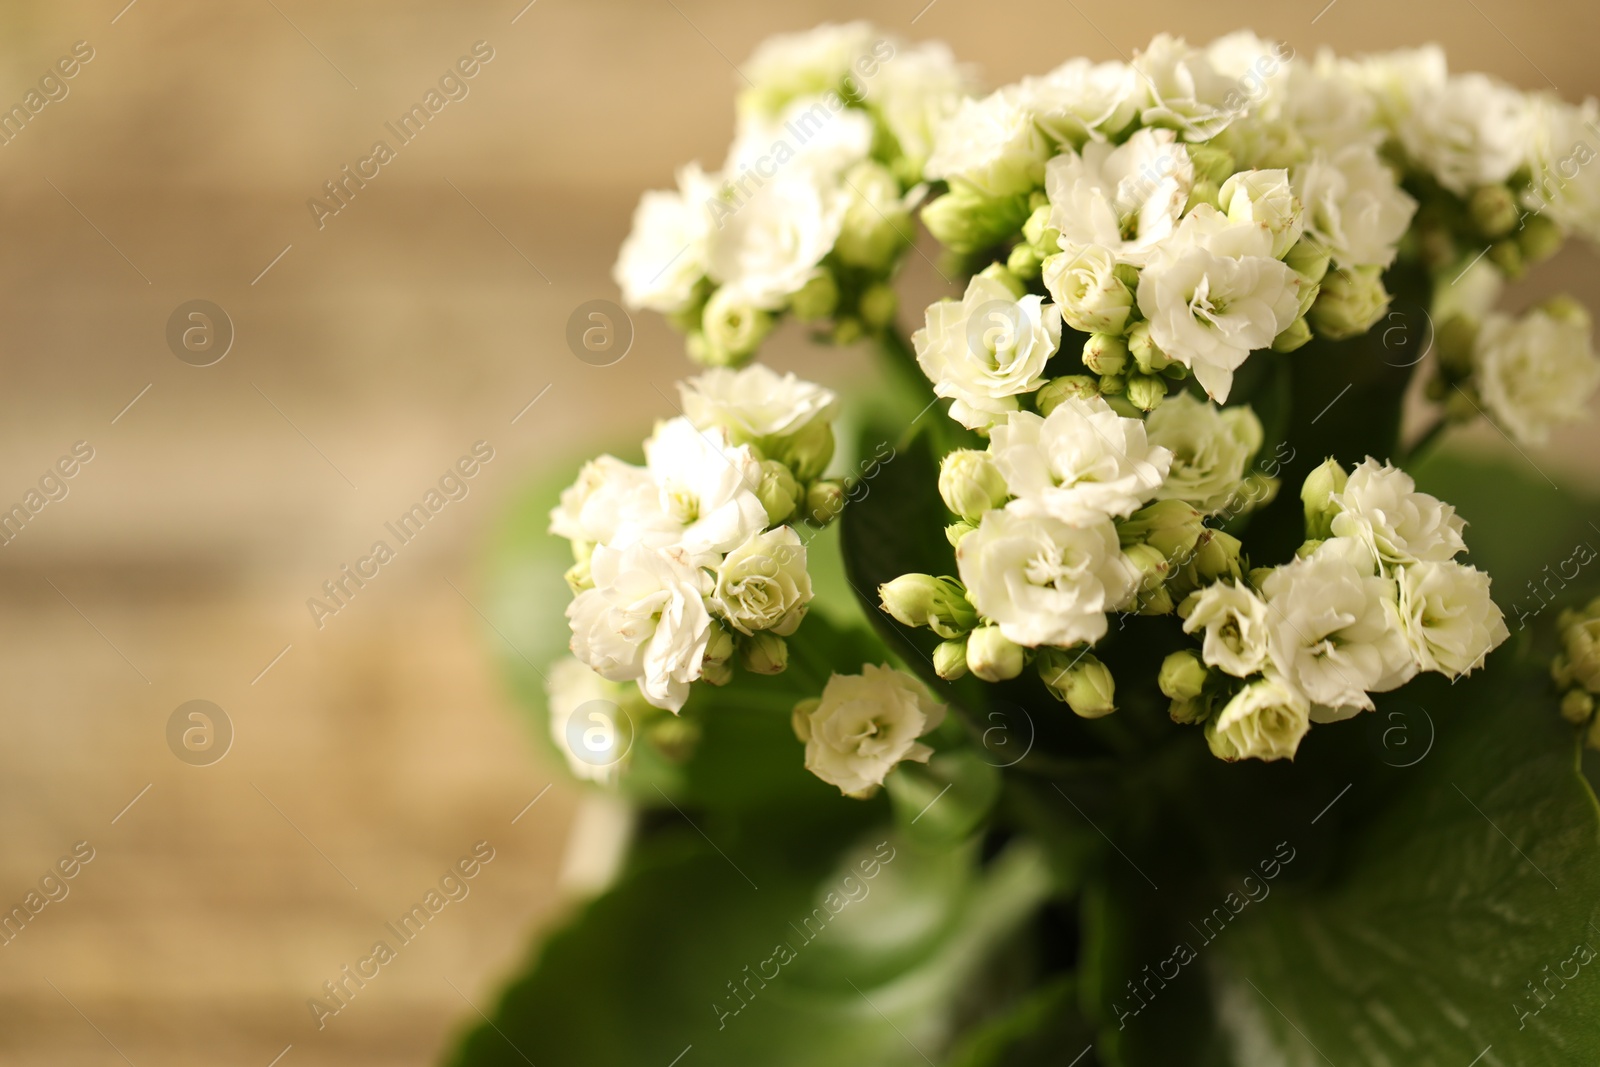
(689,561)
(1375,597)
(810,212)
(1576,668)
(864,725)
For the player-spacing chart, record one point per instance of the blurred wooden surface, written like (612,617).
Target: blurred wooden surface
(370,356)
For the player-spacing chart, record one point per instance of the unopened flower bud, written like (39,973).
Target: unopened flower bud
(1455,339)
(778,492)
(1350,303)
(1042,237)
(1308,258)
(992,656)
(1493,209)
(1182,675)
(824,501)
(1577,707)
(1024,262)
(1580,643)
(1079,679)
(1507,255)
(956,531)
(1295,335)
(1105,353)
(1146,391)
(808,452)
(1189,712)
(1048,398)
(733,331)
(950,659)
(1112,384)
(817,299)
(848,330)
(1316,494)
(1000,273)
(1157,601)
(719,645)
(1539,238)
(764,652)
(970,483)
(578,578)
(1564,308)
(1217,556)
(1211,163)
(720,673)
(874,219)
(1172,527)
(878,305)
(1147,356)
(918,600)
(1149,563)
(1203,192)
(966,221)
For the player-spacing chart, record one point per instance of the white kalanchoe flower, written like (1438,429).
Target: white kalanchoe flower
(1334,631)
(1215,294)
(608,496)
(1381,508)
(755,404)
(807,134)
(763,584)
(1084,285)
(1124,198)
(1185,92)
(864,725)
(1354,208)
(1396,80)
(1467,130)
(1563,145)
(768,246)
(1082,457)
(1326,106)
(788,65)
(991,145)
(644,621)
(1044,581)
(666,254)
(1211,449)
(1534,373)
(1265,720)
(987,349)
(706,486)
(1265,198)
(1447,616)
(569,685)
(915,91)
(1237,628)
(1082,101)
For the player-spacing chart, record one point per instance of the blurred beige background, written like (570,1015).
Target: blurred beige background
(369,355)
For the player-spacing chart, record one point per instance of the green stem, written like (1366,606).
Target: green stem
(1427,442)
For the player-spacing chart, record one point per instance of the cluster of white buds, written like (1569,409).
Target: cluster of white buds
(1576,668)
(691,562)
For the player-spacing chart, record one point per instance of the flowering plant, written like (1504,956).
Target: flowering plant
(1136,505)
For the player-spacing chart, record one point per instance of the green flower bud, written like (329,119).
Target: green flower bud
(1082,681)
(1189,712)
(806,452)
(1577,707)
(1024,262)
(1146,355)
(991,656)
(1350,303)
(970,483)
(1149,563)
(878,306)
(1217,556)
(1110,385)
(919,600)
(847,331)
(1105,353)
(1146,391)
(778,492)
(1211,163)
(1182,675)
(1580,642)
(732,331)
(1436,245)
(577,577)
(965,221)
(1507,255)
(1048,398)
(1455,340)
(1296,334)
(956,531)
(1203,192)
(999,273)
(764,652)
(1039,234)
(1316,494)
(1539,238)
(1565,309)
(950,659)
(1493,209)
(719,645)
(1157,601)
(1175,372)
(1308,258)
(824,501)
(1172,527)
(875,221)
(817,299)
(720,673)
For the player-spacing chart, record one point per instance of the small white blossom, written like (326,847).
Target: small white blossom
(1561,153)
(1467,130)
(1534,373)
(1449,620)
(1185,92)
(1082,101)
(809,134)
(1084,285)
(1381,508)
(1082,457)
(1124,198)
(665,255)
(768,245)
(1042,580)
(1354,208)
(608,495)
(763,584)
(1211,449)
(864,725)
(756,403)
(1264,198)
(1334,632)
(1265,720)
(915,91)
(990,144)
(706,490)
(987,349)
(644,621)
(1237,628)
(788,65)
